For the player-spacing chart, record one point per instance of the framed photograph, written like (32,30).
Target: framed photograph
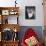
(30,12)
(13,12)
(5,12)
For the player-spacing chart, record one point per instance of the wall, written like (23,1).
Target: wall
(39,16)
(22,21)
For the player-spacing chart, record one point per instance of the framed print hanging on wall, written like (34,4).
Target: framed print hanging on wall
(30,12)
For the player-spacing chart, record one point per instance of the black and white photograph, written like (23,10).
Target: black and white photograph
(30,12)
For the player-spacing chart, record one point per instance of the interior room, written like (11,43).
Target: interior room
(22,22)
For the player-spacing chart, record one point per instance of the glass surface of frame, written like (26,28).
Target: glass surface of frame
(30,12)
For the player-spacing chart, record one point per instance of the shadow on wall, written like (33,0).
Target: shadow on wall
(37,29)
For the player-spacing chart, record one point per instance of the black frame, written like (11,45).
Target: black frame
(28,9)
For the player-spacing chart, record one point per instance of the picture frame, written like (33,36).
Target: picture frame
(30,12)
(5,12)
(13,12)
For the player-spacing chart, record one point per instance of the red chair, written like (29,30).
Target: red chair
(29,33)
